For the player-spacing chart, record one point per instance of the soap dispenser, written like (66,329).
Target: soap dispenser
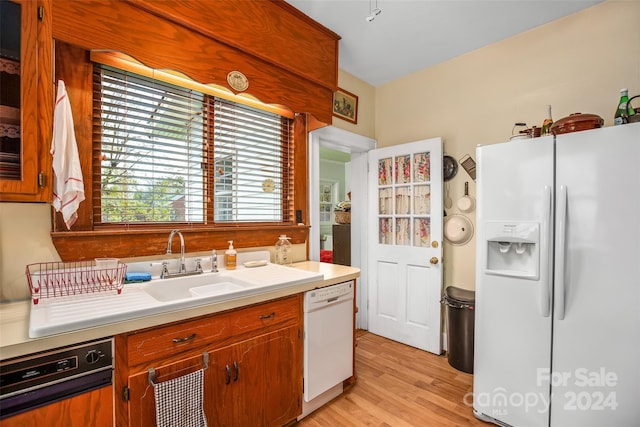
(230,257)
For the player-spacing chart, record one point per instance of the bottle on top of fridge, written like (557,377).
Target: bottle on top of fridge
(546,124)
(283,250)
(624,110)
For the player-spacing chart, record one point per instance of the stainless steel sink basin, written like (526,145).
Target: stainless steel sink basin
(200,286)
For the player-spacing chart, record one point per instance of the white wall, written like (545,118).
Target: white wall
(24,239)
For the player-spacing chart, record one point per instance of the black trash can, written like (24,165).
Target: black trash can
(460,305)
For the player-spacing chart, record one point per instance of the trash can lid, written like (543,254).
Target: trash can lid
(463,296)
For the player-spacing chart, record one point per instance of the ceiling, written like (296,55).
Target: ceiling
(409,35)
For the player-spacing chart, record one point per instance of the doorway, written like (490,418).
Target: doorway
(357,147)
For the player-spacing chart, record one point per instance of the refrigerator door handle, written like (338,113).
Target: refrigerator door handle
(545,275)
(560,253)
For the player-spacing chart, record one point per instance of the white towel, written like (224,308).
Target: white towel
(179,401)
(68,186)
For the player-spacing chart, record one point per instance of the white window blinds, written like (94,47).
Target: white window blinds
(252,164)
(167,154)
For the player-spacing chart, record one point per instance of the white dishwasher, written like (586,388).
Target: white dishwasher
(328,343)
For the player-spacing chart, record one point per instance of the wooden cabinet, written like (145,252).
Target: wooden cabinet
(94,408)
(342,244)
(254,365)
(253,381)
(24,152)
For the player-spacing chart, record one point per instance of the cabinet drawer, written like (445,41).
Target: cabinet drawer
(217,329)
(266,317)
(163,341)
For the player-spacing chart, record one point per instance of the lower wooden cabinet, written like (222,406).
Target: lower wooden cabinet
(253,375)
(254,383)
(93,408)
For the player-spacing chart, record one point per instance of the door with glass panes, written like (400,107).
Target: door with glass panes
(405,243)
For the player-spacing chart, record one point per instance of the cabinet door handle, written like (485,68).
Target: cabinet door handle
(189,338)
(228,380)
(237,371)
(267,316)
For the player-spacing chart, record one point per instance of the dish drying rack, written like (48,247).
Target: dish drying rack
(59,279)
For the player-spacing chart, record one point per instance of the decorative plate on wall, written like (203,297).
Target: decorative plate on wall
(458,229)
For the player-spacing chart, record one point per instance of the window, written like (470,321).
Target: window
(169,154)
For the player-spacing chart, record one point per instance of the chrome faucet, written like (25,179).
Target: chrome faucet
(182,270)
(173,233)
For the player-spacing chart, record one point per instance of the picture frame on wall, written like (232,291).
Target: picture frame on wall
(345,105)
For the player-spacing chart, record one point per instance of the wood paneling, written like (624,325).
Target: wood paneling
(160,42)
(137,243)
(282,36)
(94,408)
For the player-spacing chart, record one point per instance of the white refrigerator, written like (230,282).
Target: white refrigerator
(557,323)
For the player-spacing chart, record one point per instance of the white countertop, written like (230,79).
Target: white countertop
(14,317)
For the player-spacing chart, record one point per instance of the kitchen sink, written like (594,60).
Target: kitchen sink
(199,286)
(74,312)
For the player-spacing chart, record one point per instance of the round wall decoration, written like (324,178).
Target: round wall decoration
(238,81)
(268,185)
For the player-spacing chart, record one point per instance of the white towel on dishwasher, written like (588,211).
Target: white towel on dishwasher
(179,401)
(68,185)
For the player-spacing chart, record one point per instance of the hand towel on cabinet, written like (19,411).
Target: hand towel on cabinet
(179,402)
(68,184)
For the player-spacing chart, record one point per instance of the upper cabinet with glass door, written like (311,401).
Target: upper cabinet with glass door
(20,165)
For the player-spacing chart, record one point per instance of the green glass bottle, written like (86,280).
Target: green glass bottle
(546,124)
(624,110)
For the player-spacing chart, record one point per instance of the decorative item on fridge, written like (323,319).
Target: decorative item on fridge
(546,124)
(636,116)
(577,122)
(624,109)
(522,134)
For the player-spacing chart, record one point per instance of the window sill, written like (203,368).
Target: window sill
(119,243)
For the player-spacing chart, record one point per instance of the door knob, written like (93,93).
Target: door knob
(434,260)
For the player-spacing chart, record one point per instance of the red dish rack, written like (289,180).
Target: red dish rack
(59,279)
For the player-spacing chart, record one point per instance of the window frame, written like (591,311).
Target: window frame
(84,241)
(210,103)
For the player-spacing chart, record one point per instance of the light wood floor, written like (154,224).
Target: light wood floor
(399,386)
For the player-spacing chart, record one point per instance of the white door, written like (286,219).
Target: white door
(405,243)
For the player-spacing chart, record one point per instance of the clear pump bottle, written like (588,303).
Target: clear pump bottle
(283,250)
(230,257)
